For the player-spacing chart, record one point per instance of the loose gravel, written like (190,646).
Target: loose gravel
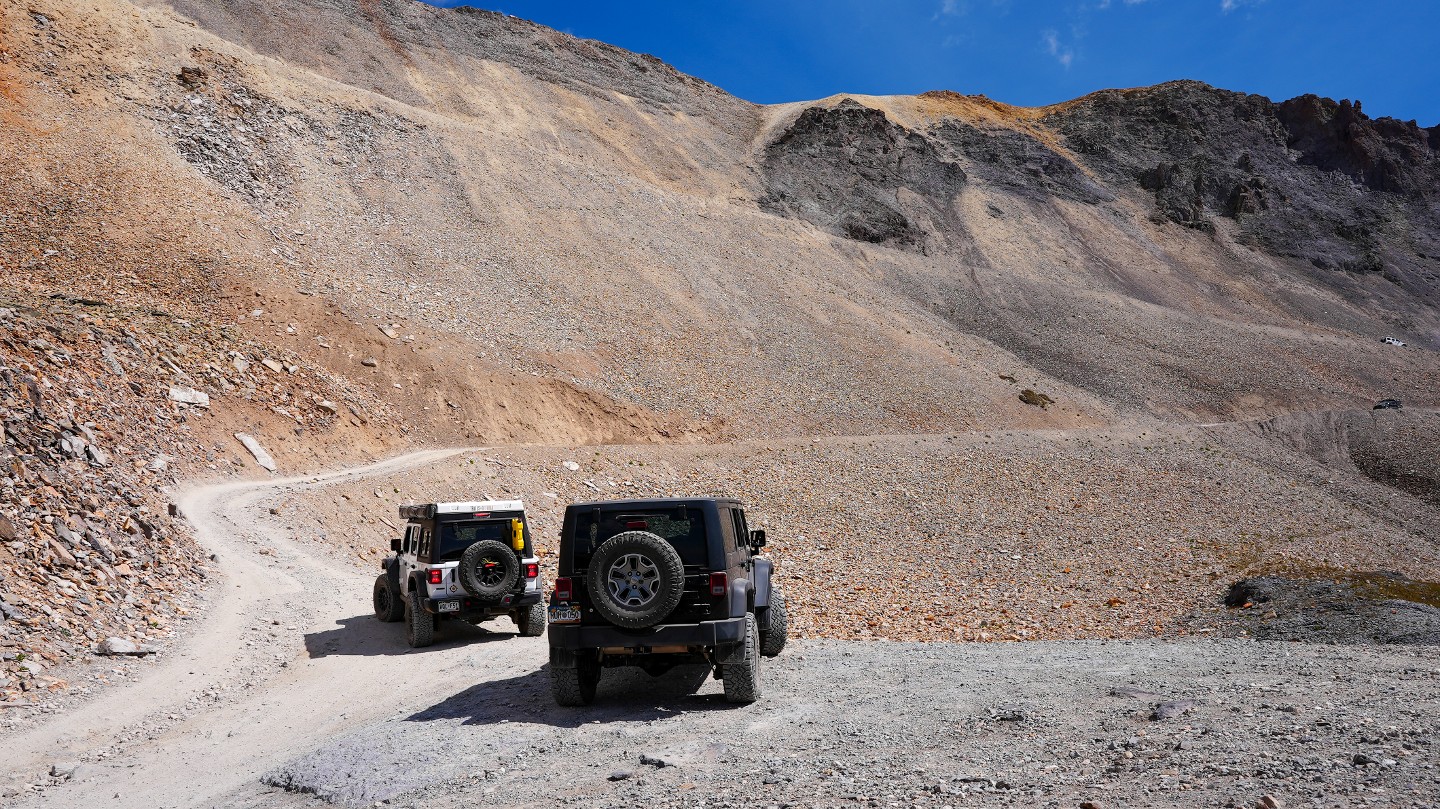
(979,536)
(902,724)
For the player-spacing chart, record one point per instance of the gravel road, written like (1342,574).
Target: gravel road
(887,724)
(288,693)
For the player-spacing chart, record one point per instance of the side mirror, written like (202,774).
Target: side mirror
(395,544)
(757,540)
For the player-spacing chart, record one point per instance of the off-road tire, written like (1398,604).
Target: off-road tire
(389,604)
(635,579)
(489,569)
(574,677)
(740,671)
(777,625)
(419,624)
(531,620)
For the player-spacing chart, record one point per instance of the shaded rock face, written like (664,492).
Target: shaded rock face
(850,171)
(1018,161)
(1383,154)
(1380,608)
(1199,151)
(1309,179)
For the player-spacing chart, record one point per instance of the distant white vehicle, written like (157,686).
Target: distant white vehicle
(471,560)
(1391,341)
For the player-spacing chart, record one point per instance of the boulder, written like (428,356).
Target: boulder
(261,456)
(189,396)
(113,647)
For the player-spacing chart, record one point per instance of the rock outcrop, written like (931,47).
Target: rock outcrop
(848,170)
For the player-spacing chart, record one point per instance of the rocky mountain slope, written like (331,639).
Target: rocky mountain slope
(355,227)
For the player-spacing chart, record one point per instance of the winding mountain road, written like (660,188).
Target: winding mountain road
(232,699)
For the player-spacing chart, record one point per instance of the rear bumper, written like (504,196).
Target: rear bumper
(706,633)
(470,607)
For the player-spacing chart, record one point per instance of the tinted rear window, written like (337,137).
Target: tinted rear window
(455,537)
(681,527)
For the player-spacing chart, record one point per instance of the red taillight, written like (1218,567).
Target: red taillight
(437,576)
(719,583)
(563,590)
(532,571)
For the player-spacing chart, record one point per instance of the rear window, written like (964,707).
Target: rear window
(681,527)
(455,537)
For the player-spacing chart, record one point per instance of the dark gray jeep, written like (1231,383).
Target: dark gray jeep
(468,561)
(657,583)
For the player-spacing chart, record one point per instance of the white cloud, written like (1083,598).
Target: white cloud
(951,8)
(1064,54)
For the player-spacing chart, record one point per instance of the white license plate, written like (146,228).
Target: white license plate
(449,606)
(564,614)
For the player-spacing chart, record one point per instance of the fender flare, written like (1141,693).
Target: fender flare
(762,570)
(741,597)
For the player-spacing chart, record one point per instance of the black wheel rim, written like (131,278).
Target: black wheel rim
(382,600)
(490,572)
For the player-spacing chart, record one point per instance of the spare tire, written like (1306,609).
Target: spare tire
(635,579)
(489,569)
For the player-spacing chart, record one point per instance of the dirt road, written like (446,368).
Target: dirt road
(288,692)
(286,656)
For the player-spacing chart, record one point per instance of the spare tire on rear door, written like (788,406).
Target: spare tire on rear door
(635,579)
(489,569)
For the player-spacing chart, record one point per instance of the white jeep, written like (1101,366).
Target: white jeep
(470,561)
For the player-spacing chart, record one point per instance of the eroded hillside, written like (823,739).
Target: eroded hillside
(551,206)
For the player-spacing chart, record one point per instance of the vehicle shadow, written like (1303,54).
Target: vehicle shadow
(363,635)
(624,695)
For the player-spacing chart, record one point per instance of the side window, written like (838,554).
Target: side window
(425,538)
(742,533)
(727,528)
(409,545)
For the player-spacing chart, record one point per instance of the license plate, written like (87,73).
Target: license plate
(564,614)
(449,606)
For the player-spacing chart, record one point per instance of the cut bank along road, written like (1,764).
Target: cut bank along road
(286,655)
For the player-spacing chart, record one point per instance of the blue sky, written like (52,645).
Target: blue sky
(1386,53)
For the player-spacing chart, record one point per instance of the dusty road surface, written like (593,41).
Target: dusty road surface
(1127,723)
(288,692)
(286,655)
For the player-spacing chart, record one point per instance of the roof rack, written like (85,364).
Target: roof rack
(428,511)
